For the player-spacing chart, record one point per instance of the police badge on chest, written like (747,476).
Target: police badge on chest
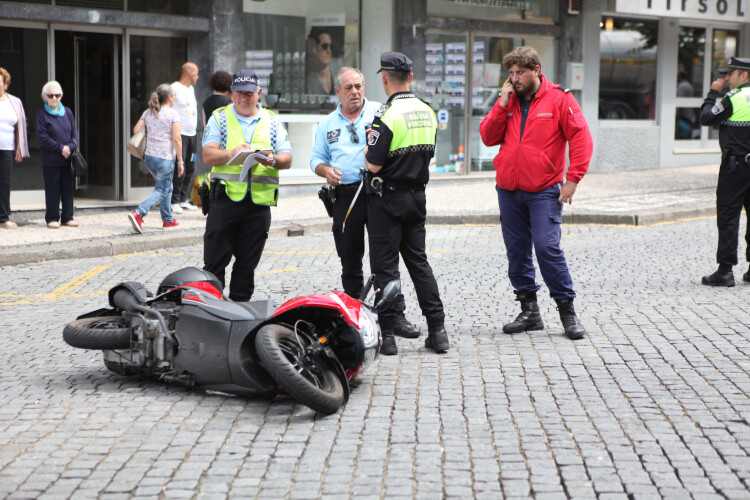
(333,135)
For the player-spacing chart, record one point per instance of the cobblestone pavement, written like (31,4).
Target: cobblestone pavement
(653,403)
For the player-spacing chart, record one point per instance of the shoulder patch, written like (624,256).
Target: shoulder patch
(382,109)
(732,92)
(373,138)
(718,108)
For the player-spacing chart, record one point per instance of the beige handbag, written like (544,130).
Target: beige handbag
(137,143)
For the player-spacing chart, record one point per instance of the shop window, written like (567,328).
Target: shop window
(627,72)
(296,57)
(537,11)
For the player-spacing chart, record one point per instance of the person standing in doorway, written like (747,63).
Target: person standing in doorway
(187,107)
(533,121)
(732,114)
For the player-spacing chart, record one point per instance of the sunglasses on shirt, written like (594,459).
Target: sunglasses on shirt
(354,137)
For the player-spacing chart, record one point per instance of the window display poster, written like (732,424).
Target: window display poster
(492,75)
(434,48)
(455,48)
(324,53)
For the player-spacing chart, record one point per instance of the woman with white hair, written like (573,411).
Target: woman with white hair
(58,136)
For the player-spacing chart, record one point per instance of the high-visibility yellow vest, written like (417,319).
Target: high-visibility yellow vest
(264,181)
(413,125)
(740,106)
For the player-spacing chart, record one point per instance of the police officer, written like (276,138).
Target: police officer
(400,146)
(732,114)
(337,157)
(240,213)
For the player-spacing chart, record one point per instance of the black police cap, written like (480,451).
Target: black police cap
(394,61)
(742,64)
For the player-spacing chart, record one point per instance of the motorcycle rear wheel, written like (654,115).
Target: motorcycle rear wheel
(105,332)
(313,384)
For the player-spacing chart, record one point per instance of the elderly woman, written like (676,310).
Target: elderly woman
(13,144)
(58,136)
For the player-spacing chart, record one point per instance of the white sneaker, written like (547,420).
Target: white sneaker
(176,209)
(188,206)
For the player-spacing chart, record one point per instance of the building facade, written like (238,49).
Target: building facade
(640,69)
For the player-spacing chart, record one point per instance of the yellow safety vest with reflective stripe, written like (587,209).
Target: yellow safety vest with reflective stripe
(264,181)
(413,125)
(740,106)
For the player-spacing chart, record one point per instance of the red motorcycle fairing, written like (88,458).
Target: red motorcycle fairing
(347,306)
(203,285)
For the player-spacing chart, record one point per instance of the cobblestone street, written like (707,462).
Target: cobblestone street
(654,402)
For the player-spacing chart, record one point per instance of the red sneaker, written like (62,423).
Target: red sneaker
(170,224)
(137,221)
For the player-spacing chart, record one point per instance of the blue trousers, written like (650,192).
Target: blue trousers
(58,185)
(533,219)
(161,169)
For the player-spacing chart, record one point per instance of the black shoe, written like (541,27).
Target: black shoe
(437,339)
(746,276)
(574,330)
(389,347)
(719,278)
(530,317)
(402,327)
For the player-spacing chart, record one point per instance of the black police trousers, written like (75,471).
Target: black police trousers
(350,243)
(396,224)
(238,229)
(732,193)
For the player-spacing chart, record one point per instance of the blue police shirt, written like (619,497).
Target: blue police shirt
(334,145)
(248,123)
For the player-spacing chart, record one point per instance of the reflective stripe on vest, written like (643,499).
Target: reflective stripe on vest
(413,124)
(264,181)
(740,109)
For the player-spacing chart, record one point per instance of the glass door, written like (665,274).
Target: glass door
(87,67)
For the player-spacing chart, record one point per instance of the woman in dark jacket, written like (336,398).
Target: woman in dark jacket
(57,134)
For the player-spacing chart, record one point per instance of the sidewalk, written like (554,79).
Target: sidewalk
(635,197)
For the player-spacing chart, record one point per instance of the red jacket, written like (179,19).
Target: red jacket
(538,160)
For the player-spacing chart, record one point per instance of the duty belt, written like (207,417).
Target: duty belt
(402,186)
(347,188)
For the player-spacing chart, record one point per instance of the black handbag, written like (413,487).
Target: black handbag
(78,165)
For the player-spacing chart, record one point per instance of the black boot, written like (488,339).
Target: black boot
(574,330)
(529,319)
(402,327)
(437,338)
(721,277)
(388,347)
(746,276)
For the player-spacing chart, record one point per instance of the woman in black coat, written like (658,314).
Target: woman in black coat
(58,136)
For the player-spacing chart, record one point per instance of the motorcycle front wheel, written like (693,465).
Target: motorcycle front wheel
(311,382)
(105,332)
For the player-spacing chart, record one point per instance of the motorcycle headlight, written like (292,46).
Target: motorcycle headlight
(368,327)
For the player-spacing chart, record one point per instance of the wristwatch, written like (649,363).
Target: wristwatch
(273,163)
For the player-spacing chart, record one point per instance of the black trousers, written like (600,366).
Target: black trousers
(58,185)
(350,239)
(6,167)
(732,193)
(396,224)
(238,229)
(181,186)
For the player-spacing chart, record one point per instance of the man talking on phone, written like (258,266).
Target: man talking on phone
(532,121)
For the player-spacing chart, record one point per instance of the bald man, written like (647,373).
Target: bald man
(186,105)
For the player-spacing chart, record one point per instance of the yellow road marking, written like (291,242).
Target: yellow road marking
(274,271)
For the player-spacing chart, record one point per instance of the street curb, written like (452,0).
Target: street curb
(132,243)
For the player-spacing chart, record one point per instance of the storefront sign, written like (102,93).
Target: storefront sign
(713,10)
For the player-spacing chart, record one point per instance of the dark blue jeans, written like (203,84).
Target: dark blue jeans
(58,186)
(533,219)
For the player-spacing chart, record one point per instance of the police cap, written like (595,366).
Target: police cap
(736,63)
(245,80)
(394,61)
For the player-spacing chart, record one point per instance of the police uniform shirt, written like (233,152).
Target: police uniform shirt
(408,164)
(334,145)
(734,136)
(248,123)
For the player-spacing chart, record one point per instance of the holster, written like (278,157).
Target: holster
(373,184)
(327,195)
(218,190)
(204,192)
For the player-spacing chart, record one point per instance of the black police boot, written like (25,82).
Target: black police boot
(388,347)
(720,277)
(402,327)
(437,337)
(574,330)
(530,317)
(746,276)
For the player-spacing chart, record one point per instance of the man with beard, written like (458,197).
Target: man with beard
(532,121)
(337,156)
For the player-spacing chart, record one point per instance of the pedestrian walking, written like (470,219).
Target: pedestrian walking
(398,153)
(163,145)
(186,107)
(337,156)
(732,115)
(14,144)
(58,137)
(240,210)
(533,120)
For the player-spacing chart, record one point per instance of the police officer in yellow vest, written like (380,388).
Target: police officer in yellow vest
(240,209)
(732,114)
(398,153)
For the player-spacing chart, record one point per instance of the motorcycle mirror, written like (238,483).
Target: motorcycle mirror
(390,292)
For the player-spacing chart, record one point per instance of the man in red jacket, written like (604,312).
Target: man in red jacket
(533,120)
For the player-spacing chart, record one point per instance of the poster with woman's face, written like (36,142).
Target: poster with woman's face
(325,55)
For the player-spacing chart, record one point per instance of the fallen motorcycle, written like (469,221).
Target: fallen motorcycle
(311,347)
